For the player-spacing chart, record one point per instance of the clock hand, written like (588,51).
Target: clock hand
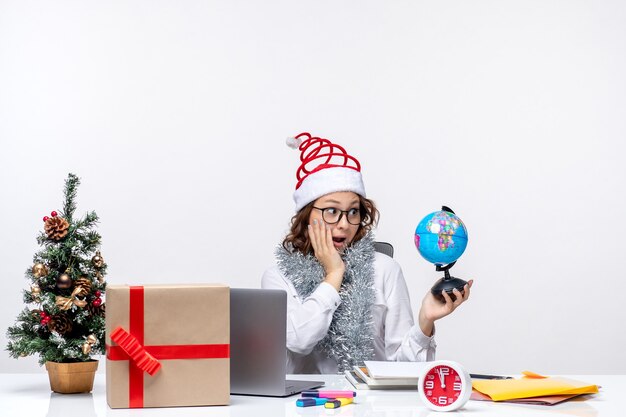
(442,378)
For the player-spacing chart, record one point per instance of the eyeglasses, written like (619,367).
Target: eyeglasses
(332,215)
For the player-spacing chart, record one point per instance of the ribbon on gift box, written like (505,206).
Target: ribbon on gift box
(146,358)
(131,346)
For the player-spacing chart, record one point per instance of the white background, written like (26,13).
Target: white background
(174,115)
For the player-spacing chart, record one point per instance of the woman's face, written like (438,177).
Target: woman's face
(344,204)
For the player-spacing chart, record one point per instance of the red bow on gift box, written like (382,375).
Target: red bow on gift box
(143,360)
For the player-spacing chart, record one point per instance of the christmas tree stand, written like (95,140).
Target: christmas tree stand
(71,378)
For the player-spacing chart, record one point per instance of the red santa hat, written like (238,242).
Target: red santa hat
(325,168)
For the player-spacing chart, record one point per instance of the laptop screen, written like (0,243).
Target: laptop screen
(258,341)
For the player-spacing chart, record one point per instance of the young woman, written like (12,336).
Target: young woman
(346,302)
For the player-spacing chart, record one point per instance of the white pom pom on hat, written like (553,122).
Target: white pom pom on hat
(293,142)
(325,168)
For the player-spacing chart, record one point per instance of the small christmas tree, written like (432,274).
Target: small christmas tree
(67,286)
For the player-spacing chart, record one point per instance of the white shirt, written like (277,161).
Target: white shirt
(396,337)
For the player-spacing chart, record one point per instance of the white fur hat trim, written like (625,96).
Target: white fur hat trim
(326,181)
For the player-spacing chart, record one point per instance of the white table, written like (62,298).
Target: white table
(29,395)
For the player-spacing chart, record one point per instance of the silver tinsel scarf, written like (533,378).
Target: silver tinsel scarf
(350,337)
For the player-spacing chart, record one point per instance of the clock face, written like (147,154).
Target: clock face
(443,386)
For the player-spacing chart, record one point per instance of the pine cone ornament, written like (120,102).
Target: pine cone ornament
(96,310)
(84,285)
(60,323)
(56,228)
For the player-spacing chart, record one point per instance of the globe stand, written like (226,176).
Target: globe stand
(448,283)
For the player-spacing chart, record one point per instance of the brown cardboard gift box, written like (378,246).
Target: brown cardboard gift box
(179,333)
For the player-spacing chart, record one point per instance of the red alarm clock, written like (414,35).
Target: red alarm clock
(444,386)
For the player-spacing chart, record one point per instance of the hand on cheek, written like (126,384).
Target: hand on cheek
(325,252)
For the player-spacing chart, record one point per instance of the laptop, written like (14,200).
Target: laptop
(258,340)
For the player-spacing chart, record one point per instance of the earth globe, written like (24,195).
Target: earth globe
(441,239)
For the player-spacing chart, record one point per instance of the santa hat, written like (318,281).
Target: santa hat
(325,168)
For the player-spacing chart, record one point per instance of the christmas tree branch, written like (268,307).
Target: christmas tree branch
(89,221)
(71,185)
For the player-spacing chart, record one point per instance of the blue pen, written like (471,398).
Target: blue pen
(309,402)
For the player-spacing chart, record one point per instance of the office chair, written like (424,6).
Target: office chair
(384,247)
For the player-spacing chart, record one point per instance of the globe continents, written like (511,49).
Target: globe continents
(441,237)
